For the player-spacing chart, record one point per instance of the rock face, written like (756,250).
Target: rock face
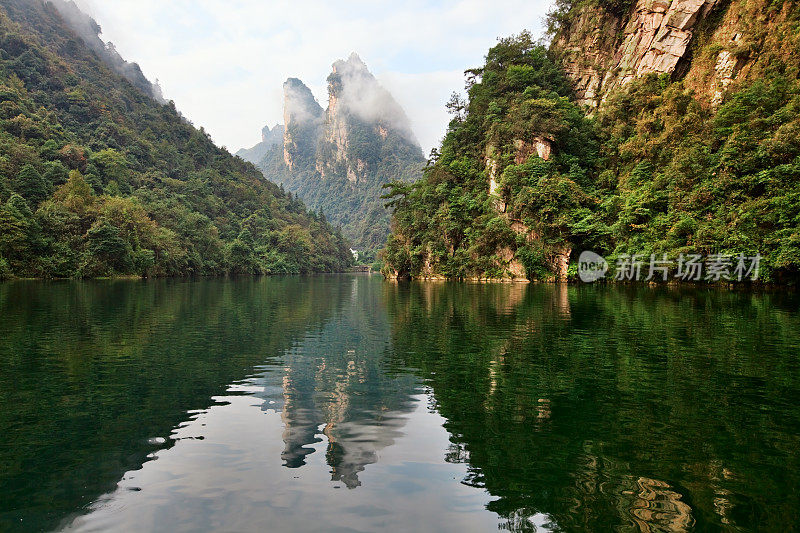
(523,150)
(357,105)
(337,159)
(602,51)
(303,117)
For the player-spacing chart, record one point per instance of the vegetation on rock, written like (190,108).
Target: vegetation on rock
(337,160)
(658,168)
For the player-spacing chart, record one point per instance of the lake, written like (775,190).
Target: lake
(346,403)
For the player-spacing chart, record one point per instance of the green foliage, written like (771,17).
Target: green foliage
(687,181)
(354,206)
(654,171)
(448,224)
(98,179)
(563,11)
(535,261)
(32,185)
(5,270)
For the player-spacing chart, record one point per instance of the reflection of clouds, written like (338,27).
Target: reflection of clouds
(524,520)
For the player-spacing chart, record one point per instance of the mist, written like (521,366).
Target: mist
(361,94)
(88,30)
(300,106)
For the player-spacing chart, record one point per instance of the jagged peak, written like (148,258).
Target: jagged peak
(354,90)
(351,65)
(299,104)
(267,134)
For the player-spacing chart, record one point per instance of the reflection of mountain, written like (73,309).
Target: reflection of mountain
(335,386)
(90,371)
(574,408)
(609,408)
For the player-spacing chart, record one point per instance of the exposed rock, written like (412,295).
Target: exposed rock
(541,147)
(492,166)
(559,261)
(303,117)
(588,46)
(337,159)
(515,268)
(726,70)
(357,100)
(523,151)
(655,39)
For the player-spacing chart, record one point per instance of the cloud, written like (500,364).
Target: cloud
(362,94)
(224,62)
(424,96)
(300,106)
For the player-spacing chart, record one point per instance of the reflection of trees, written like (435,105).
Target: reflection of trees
(91,370)
(650,410)
(336,386)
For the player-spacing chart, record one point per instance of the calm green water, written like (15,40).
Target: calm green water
(345,403)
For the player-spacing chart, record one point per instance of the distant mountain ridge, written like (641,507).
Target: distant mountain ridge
(338,159)
(269,138)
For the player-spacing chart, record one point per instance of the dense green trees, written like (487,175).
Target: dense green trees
(654,171)
(677,179)
(97,178)
(449,224)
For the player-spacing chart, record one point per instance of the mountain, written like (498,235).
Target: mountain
(338,159)
(99,178)
(87,29)
(269,138)
(646,127)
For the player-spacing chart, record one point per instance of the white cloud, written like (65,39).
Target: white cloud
(224,62)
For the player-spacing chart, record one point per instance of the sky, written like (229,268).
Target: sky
(224,62)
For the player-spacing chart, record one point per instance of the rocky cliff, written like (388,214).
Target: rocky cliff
(647,127)
(337,159)
(708,43)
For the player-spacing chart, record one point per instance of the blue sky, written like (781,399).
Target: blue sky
(224,62)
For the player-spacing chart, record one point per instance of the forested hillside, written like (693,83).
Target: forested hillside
(616,142)
(97,178)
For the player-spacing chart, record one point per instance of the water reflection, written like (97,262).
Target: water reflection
(350,404)
(90,371)
(635,409)
(335,387)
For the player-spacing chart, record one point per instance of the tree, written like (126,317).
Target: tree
(108,249)
(15,232)
(31,185)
